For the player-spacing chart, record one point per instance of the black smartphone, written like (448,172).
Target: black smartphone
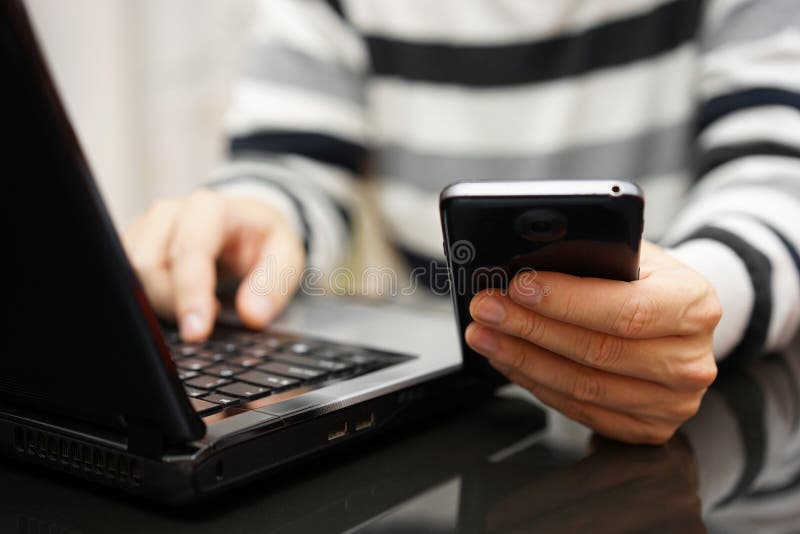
(494,229)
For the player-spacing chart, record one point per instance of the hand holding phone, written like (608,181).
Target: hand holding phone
(547,294)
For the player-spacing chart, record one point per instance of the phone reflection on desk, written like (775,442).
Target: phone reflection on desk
(735,467)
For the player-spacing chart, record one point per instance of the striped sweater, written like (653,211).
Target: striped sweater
(697,101)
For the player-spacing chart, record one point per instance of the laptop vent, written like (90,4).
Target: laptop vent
(75,456)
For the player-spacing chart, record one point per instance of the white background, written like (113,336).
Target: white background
(146,84)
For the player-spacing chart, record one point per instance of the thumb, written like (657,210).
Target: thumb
(272,280)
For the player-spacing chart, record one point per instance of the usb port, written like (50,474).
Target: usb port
(338,433)
(366,423)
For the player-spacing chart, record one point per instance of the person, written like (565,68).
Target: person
(695,100)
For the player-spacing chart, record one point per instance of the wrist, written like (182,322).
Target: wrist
(726,272)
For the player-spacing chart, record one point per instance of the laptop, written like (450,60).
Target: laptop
(93,385)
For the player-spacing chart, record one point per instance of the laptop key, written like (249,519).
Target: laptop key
(222,370)
(245,391)
(317,363)
(292,371)
(196,393)
(189,349)
(246,361)
(186,375)
(203,407)
(224,400)
(258,352)
(229,347)
(266,379)
(298,348)
(212,355)
(207,382)
(193,364)
(271,341)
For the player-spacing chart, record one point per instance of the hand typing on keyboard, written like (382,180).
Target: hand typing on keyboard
(177,245)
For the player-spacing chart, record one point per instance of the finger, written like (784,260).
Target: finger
(148,237)
(609,423)
(616,392)
(146,242)
(641,309)
(674,361)
(272,280)
(196,242)
(129,235)
(157,285)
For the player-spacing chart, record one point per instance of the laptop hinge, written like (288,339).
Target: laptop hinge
(145,440)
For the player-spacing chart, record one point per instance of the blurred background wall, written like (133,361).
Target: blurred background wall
(146,85)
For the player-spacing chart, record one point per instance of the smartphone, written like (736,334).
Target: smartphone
(495,229)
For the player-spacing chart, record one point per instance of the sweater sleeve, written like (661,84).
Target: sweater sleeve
(740,226)
(296,123)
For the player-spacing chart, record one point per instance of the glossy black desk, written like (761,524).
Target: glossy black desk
(495,467)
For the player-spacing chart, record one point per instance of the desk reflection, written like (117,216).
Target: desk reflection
(495,467)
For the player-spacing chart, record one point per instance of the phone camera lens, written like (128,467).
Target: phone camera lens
(543,224)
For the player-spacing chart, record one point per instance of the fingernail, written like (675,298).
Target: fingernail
(191,326)
(505,369)
(527,289)
(490,310)
(482,340)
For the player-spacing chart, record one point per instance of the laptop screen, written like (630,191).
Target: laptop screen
(84,342)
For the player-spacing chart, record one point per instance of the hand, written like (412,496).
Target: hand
(631,360)
(177,246)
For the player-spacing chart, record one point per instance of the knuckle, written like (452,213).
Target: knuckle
(712,312)
(603,350)
(176,250)
(571,306)
(531,327)
(516,359)
(704,311)
(698,376)
(634,316)
(475,302)
(587,388)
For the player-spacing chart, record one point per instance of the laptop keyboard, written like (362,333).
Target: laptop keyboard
(236,367)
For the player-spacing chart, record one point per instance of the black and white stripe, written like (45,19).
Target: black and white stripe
(417,94)
(613,43)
